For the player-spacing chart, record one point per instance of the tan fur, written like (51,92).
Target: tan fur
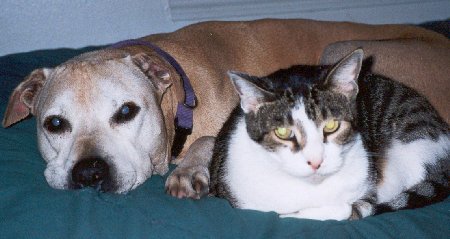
(206,51)
(301,139)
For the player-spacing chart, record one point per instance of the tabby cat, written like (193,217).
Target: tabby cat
(329,142)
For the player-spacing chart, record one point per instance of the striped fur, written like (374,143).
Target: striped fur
(393,117)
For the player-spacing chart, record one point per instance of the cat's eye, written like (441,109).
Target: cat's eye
(56,124)
(126,113)
(283,133)
(331,126)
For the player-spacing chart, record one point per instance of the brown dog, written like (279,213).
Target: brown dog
(106,118)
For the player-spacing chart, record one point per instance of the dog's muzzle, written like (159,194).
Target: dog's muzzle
(92,172)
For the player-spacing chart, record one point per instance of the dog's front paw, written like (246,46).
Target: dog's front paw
(189,182)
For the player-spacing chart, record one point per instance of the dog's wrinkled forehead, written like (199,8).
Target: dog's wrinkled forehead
(87,80)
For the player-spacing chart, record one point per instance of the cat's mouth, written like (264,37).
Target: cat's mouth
(316,178)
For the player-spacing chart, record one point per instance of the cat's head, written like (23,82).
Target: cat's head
(306,128)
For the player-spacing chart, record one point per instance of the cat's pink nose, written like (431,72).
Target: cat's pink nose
(315,164)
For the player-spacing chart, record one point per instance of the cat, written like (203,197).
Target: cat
(329,142)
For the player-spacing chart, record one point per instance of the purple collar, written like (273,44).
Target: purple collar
(184,115)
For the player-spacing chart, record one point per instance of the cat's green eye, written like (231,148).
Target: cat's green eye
(283,133)
(331,126)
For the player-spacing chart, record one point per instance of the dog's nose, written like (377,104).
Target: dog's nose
(90,172)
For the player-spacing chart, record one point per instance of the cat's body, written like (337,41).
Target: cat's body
(307,144)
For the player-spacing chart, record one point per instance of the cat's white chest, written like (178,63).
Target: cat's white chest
(257,182)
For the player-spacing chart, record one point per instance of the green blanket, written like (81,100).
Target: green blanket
(29,208)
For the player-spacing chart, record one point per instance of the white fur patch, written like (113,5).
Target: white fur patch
(405,164)
(283,182)
(365,208)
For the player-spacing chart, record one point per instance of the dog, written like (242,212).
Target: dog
(105,119)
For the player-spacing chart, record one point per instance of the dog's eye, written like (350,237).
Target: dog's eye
(56,124)
(126,113)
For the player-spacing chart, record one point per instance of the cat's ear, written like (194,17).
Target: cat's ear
(344,75)
(251,95)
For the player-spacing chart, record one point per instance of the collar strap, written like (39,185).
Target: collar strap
(184,115)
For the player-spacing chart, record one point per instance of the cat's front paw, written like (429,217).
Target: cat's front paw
(189,182)
(335,212)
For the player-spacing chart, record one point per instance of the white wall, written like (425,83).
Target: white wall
(27,25)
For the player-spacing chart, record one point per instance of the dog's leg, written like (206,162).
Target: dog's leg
(191,177)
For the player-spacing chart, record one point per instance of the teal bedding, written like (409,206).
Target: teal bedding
(29,208)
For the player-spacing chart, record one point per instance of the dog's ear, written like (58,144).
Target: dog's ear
(154,70)
(21,101)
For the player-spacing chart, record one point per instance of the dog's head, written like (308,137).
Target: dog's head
(99,119)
